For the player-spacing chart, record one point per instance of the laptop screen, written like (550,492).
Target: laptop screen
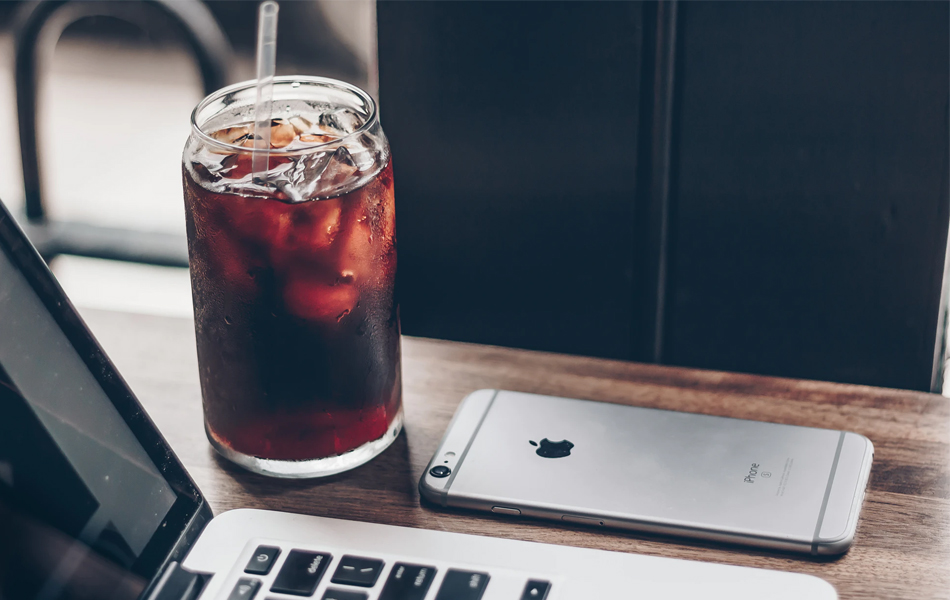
(85,509)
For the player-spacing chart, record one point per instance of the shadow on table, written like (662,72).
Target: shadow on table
(382,490)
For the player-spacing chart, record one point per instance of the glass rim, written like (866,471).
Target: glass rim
(284,79)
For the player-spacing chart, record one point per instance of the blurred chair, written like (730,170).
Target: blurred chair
(758,187)
(37,29)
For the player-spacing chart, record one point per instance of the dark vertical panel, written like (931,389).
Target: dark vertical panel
(514,135)
(812,189)
(654,179)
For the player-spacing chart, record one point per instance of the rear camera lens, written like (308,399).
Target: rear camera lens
(440,471)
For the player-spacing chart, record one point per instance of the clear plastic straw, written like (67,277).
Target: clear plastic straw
(266,66)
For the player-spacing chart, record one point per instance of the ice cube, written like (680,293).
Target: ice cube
(304,231)
(312,299)
(315,138)
(250,140)
(224,166)
(326,223)
(340,122)
(282,133)
(212,167)
(232,135)
(341,165)
(299,182)
(301,125)
(257,221)
(203,173)
(355,248)
(338,171)
(315,174)
(363,154)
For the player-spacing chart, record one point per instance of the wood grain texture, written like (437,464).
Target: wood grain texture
(902,546)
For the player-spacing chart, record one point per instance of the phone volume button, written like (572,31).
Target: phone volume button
(504,510)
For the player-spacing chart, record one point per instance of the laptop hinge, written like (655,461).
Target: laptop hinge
(178,583)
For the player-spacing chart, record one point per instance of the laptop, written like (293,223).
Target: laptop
(94,504)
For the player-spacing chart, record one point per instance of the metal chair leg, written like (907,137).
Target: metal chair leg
(39,27)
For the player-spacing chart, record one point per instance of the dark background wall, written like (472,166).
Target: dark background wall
(811,189)
(514,133)
(805,203)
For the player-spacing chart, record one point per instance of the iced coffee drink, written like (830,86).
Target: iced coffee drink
(292,276)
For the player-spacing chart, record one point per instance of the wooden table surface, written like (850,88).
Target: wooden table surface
(902,546)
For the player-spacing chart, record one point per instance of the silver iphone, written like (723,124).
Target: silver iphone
(609,465)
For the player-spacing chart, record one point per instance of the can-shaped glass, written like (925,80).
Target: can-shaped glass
(292,277)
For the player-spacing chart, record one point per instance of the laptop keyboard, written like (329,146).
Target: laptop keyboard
(362,578)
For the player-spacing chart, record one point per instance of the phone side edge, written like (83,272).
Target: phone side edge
(456,440)
(851,478)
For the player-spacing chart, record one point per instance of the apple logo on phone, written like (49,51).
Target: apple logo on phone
(549,449)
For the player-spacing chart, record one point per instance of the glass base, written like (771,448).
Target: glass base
(318,467)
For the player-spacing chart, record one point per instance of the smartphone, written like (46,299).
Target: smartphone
(773,486)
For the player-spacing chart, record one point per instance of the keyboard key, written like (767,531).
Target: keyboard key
(301,573)
(408,582)
(536,590)
(462,585)
(354,570)
(332,594)
(262,560)
(245,589)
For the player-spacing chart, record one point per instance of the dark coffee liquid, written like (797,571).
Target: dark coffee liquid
(297,330)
